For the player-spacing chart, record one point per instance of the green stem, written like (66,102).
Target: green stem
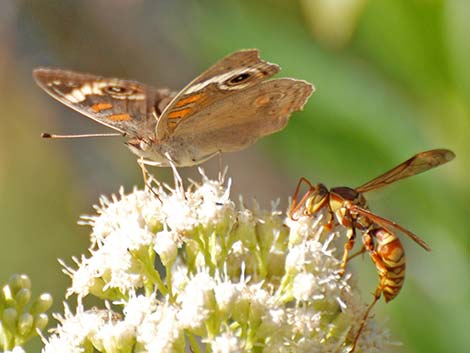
(262,265)
(154,276)
(169,284)
(205,251)
(6,339)
(281,294)
(194,345)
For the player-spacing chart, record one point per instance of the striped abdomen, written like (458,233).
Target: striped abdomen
(392,270)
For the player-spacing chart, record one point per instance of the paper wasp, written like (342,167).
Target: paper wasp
(348,207)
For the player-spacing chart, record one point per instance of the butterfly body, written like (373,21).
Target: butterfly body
(227,108)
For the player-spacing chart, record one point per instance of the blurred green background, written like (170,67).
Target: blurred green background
(392,79)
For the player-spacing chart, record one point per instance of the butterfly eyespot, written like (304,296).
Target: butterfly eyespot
(238,78)
(120,90)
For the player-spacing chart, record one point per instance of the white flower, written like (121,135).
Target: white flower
(166,246)
(120,211)
(226,295)
(304,286)
(234,279)
(305,321)
(115,336)
(74,330)
(161,331)
(113,262)
(177,212)
(211,201)
(16,349)
(227,343)
(136,308)
(197,301)
(303,228)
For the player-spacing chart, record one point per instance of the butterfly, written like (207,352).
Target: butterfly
(226,108)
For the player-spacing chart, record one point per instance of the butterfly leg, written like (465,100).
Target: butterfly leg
(209,156)
(176,176)
(145,173)
(221,173)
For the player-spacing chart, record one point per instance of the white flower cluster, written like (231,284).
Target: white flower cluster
(17,349)
(188,270)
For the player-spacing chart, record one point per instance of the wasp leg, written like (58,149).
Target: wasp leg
(382,270)
(351,235)
(296,205)
(330,222)
(364,319)
(360,252)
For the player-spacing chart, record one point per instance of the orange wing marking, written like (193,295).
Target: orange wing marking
(263,100)
(101,106)
(172,124)
(119,117)
(180,114)
(188,100)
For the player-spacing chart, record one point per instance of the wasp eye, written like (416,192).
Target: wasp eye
(239,78)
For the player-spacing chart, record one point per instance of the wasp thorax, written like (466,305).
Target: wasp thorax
(346,193)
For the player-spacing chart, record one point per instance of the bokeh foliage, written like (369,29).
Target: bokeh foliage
(392,79)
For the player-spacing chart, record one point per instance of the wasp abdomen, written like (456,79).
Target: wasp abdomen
(392,272)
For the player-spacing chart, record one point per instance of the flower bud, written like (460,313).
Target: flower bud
(25,324)
(17,282)
(22,297)
(42,304)
(9,317)
(40,321)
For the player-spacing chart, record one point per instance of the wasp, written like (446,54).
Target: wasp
(348,207)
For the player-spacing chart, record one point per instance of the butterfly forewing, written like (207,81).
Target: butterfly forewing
(417,164)
(238,61)
(233,74)
(238,120)
(123,105)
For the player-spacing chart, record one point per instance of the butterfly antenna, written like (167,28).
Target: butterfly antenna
(47,135)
